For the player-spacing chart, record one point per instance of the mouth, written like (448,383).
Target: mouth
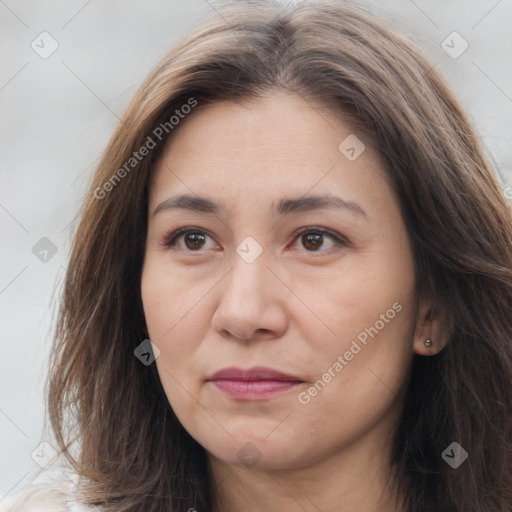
(256,383)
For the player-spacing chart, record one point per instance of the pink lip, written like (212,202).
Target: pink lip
(255,383)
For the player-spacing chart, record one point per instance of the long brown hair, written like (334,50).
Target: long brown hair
(131,449)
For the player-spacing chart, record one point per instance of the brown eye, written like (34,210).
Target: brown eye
(194,241)
(312,241)
(319,240)
(191,240)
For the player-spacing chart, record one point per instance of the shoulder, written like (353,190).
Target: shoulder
(46,497)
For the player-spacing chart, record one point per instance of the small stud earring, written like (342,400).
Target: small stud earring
(428,343)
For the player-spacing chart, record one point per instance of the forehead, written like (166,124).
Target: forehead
(278,142)
(278,124)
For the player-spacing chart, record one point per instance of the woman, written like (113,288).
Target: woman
(291,285)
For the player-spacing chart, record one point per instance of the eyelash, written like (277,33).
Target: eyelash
(169,240)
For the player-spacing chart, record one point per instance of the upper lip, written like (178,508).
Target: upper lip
(254,373)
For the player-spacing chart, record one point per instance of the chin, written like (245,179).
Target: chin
(257,450)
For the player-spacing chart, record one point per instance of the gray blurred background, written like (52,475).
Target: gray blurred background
(67,71)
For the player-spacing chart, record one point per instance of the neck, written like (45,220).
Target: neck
(349,480)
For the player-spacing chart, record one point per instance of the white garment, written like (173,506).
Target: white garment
(46,497)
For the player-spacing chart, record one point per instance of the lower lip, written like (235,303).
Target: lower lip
(254,389)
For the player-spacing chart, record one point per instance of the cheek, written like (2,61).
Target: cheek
(171,302)
(365,357)
(359,379)
(367,360)
(368,296)
(172,310)
(177,315)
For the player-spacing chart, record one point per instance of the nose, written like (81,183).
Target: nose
(251,304)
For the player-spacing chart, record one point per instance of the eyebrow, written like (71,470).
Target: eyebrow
(283,207)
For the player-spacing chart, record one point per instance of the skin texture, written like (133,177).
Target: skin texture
(291,309)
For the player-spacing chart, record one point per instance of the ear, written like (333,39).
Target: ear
(429,326)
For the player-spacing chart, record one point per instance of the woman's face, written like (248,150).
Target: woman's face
(296,260)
